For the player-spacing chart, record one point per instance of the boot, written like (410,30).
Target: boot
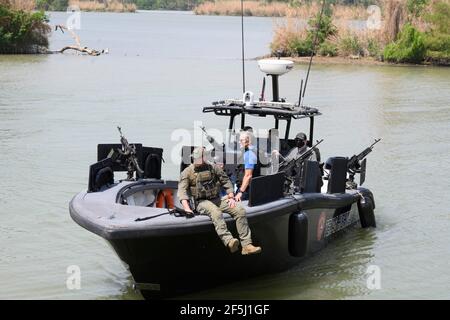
(250,249)
(233,245)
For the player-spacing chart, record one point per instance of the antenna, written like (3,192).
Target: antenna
(300,94)
(312,52)
(261,97)
(242,45)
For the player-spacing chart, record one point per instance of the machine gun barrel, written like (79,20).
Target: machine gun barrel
(353,163)
(211,140)
(301,157)
(368,150)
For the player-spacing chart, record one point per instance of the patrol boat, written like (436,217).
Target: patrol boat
(169,254)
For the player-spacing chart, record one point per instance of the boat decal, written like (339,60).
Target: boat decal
(321,226)
(339,222)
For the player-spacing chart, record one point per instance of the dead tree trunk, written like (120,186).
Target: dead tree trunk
(77,47)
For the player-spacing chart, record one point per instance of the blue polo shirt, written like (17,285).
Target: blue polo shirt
(250,159)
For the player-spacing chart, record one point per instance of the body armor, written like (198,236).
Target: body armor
(205,184)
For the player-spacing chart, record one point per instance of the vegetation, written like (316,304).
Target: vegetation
(290,42)
(413,31)
(351,45)
(52,5)
(21,31)
(410,47)
(167,4)
(437,40)
(281,8)
(104,6)
(426,36)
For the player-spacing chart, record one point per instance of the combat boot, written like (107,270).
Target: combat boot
(250,249)
(233,245)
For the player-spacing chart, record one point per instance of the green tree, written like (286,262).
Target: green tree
(410,46)
(437,39)
(22,32)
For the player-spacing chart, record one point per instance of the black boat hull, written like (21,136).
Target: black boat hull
(170,255)
(170,265)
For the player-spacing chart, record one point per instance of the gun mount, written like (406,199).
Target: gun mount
(291,165)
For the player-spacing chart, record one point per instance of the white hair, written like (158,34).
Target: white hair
(246,135)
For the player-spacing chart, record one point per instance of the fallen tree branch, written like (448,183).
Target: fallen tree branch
(77,47)
(91,52)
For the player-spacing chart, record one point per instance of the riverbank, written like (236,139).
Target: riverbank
(352,60)
(403,35)
(277,9)
(63,5)
(22,32)
(104,6)
(333,60)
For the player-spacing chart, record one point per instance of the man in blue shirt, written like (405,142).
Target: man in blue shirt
(250,161)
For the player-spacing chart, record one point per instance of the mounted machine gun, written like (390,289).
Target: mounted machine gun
(127,155)
(357,164)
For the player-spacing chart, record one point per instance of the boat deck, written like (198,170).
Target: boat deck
(99,213)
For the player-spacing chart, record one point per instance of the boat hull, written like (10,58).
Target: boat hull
(171,265)
(170,255)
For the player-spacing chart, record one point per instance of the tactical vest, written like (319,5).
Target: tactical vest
(204,183)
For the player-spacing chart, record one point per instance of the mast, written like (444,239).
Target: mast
(243,59)
(303,89)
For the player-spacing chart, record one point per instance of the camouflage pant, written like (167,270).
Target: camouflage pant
(215,208)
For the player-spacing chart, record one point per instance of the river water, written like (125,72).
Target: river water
(162,68)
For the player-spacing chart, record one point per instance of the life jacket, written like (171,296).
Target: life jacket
(165,199)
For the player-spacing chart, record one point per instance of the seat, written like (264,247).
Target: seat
(101,175)
(152,162)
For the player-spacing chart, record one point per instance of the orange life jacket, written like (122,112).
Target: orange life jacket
(165,199)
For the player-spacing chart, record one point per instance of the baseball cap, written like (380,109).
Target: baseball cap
(301,136)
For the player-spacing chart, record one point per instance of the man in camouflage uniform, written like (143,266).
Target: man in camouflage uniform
(203,181)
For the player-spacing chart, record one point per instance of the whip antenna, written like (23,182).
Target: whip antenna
(242,45)
(312,52)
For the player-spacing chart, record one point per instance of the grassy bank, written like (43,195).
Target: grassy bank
(22,31)
(167,4)
(411,31)
(104,6)
(277,9)
(84,5)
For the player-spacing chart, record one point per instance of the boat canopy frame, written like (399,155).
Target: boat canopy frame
(232,110)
